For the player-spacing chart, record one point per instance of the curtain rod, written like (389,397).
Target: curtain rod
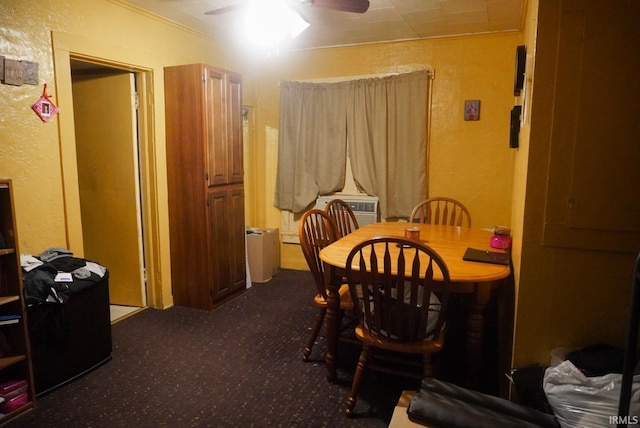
(430,73)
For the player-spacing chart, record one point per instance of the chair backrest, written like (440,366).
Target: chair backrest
(342,214)
(391,279)
(445,211)
(316,230)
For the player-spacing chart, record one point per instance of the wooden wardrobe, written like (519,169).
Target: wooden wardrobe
(203,107)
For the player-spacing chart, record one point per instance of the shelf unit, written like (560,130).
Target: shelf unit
(15,353)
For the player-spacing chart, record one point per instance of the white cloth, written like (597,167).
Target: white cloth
(96,268)
(28,262)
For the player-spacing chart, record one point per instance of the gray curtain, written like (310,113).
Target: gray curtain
(387,131)
(386,123)
(312,143)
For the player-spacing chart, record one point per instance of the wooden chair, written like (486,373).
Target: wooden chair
(445,211)
(316,231)
(401,312)
(343,215)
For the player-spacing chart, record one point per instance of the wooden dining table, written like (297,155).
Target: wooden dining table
(451,242)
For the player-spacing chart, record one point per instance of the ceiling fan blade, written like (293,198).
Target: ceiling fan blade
(225,9)
(356,6)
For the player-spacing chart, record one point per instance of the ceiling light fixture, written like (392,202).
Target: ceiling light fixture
(270,23)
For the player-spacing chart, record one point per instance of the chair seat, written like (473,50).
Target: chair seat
(425,347)
(345,298)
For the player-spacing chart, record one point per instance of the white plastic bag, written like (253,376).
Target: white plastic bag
(579,401)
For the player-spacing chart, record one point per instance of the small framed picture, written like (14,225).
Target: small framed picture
(44,107)
(472,110)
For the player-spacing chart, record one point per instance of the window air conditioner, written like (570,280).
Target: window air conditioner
(364,207)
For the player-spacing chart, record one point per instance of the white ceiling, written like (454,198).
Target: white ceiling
(386,20)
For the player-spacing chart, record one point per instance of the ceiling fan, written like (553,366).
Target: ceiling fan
(355,6)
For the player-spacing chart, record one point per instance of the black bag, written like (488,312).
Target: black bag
(598,360)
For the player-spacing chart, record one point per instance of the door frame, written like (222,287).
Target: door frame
(65,48)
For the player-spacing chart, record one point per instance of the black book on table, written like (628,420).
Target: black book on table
(486,256)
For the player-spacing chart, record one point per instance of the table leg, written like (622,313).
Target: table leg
(475,332)
(333,281)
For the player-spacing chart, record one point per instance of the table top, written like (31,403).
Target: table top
(450,242)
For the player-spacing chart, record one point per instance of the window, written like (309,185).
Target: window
(385,121)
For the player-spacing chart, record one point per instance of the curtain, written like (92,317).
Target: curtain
(385,121)
(387,132)
(312,143)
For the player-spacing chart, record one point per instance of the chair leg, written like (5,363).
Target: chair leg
(357,379)
(427,366)
(314,334)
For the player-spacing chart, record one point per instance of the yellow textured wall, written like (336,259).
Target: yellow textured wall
(564,296)
(40,157)
(469,160)
(522,153)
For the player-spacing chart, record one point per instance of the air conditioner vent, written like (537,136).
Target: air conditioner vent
(364,207)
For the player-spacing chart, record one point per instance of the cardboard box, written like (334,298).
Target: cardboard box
(274,236)
(263,252)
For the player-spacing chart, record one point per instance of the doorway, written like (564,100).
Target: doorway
(108,164)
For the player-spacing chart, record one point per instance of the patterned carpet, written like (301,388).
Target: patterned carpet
(239,365)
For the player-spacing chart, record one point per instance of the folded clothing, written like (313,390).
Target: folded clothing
(40,285)
(54,253)
(447,405)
